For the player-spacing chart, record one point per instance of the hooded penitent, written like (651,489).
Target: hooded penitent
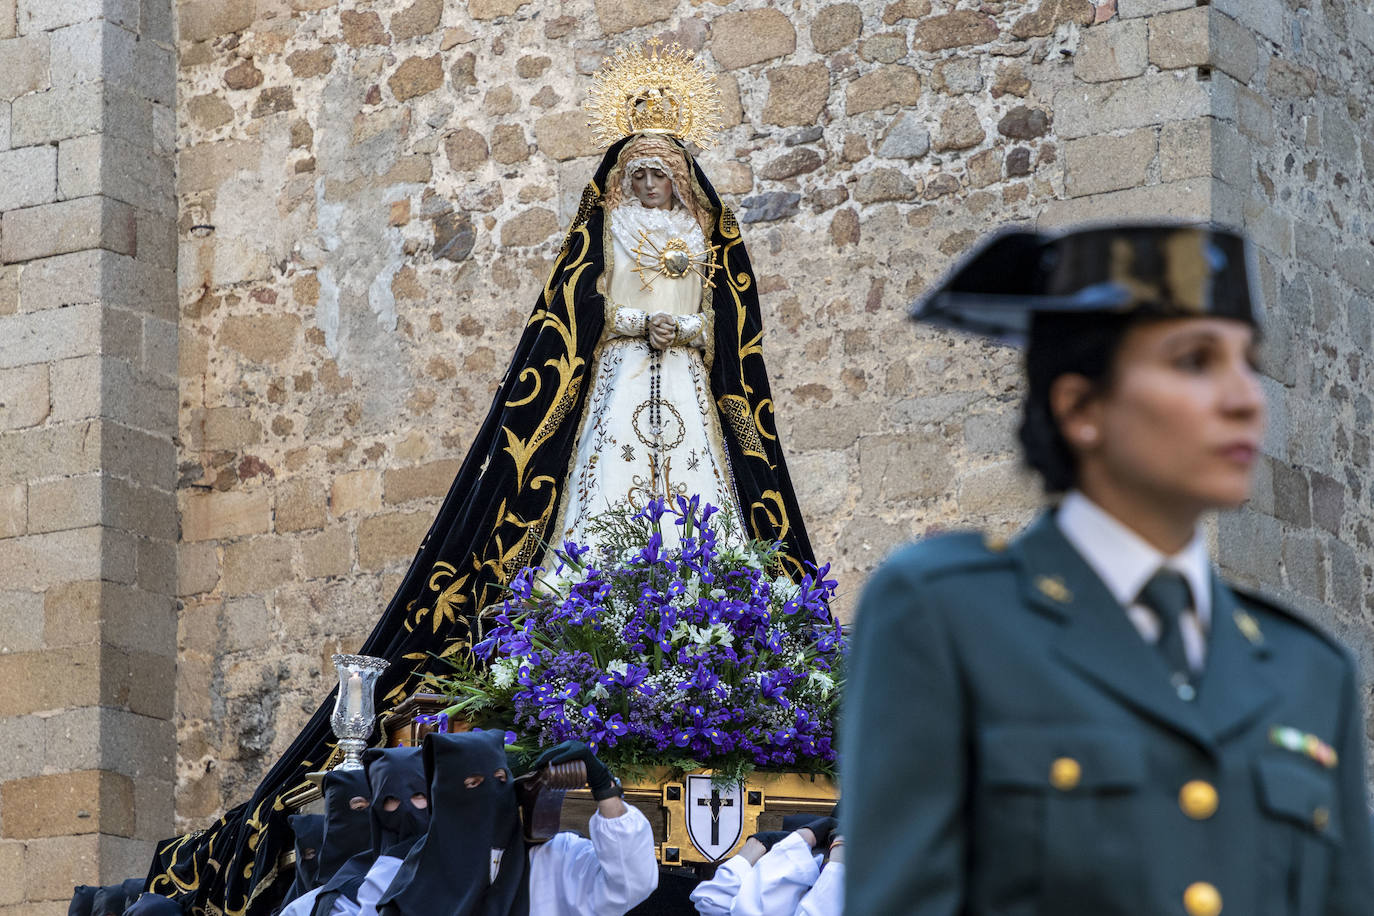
(503,504)
(113,899)
(396,774)
(309,830)
(448,873)
(347,830)
(153,905)
(108,900)
(83,898)
(397,778)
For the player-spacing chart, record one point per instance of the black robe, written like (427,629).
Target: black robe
(493,521)
(447,872)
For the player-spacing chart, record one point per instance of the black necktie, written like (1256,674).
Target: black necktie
(1168,595)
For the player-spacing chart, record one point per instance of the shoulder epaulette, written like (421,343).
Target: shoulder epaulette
(952,552)
(1265,603)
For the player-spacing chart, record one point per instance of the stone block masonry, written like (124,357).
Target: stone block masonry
(249,398)
(88,418)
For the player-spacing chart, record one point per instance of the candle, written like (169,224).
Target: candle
(355,694)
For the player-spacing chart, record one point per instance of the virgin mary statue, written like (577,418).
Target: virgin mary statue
(651,429)
(639,375)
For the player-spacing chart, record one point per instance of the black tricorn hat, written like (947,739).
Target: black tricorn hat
(1159,269)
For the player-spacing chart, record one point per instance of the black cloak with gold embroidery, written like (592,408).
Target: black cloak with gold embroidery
(495,516)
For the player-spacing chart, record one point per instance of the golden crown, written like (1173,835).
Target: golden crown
(654,89)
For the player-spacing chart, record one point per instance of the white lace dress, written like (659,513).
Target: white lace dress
(650,428)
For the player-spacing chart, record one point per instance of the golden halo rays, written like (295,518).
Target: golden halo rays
(657,89)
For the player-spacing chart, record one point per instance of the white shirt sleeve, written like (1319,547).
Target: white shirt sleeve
(378,879)
(608,875)
(344,907)
(715,897)
(778,881)
(302,905)
(826,897)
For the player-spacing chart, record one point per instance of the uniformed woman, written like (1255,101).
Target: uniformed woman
(1087,721)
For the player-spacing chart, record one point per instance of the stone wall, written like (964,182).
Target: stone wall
(1293,155)
(88,420)
(370,193)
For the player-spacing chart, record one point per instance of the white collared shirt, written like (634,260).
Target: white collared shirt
(1125,562)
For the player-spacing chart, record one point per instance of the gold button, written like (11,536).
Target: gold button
(1198,799)
(1321,819)
(1202,899)
(1065,774)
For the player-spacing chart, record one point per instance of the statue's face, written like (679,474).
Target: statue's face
(653,187)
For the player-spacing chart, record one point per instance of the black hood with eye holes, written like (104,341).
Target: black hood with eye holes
(346,832)
(309,829)
(397,772)
(448,873)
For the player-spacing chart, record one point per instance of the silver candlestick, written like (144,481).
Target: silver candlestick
(354,707)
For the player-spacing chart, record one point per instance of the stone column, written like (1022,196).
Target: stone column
(88,416)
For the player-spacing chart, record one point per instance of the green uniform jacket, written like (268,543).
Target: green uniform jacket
(1012,746)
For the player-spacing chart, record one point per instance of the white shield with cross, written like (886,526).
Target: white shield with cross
(715,816)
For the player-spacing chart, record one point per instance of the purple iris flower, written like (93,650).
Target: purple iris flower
(771,686)
(522,586)
(632,676)
(702,679)
(653,511)
(603,731)
(621,614)
(574,552)
(649,553)
(517,644)
(486,647)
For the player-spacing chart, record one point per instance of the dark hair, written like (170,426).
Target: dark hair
(1063,344)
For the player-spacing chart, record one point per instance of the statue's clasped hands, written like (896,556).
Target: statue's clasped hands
(662,331)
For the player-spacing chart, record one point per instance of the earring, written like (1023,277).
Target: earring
(1087,435)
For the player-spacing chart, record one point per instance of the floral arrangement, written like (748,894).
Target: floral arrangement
(700,655)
